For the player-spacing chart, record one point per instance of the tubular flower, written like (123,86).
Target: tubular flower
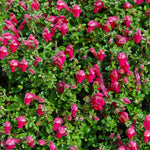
(21,121)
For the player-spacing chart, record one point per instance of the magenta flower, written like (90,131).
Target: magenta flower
(121,40)
(146,122)
(29,141)
(41,142)
(131,132)
(60,86)
(102,87)
(146,136)
(126,101)
(35,5)
(106,27)
(137,37)
(76,10)
(139,1)
(11,143)
(114,76)
(92,50)
(132,145)
(60,132)
(13,18)
(115,87)
(97,101)
(21,121)
(91,75)
(122,58)
(3,52)
(52,146)
(112,20)
(96,70)
(32,71)
(96,118)
(111,135)
(127,21)
(93,24)
(13,46)
(22,4)
(61,4)
(13,65)
(74,110)
(63,29)
(147,12)
(58,62)
(37,60)
(62,56)
(127,5)
(80,76)
(46,35)
(123,116)
(69,51)
(101,55)
(51,18)
(98,6)
(40,110)
(57,123)
(125,80)
(123,147)
(137,77)
(41,100)
(29,97)
(23,65)
(7,127)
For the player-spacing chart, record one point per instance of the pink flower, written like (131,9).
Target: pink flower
(101,55)
(52,146)
(29,97)
(102,86)
(132,145)
(127,5)
(47,35)
(62,56)
(61,4)
(97,101)
(123,116)
(92,50)
(35,5)
(73,86)
(41,100)
(74,110)
(130,132)
(21,121)
(137,76)
(122,58)
(51,18)
(63,29)
(60,86)
(111,135)
(23,65)
(69,51)
(60,132)
(76,10)
(123,147)
(98,6)
(80,76)
(58,62)
(96,70)
(112,20)
(3,52)
(32,71)
(114,76)
(13,46)
(147,12)
(41,142)
(22,4)
(69,118)
(125,80)
(115,87)
(7,127)
(29,141)
(37,60)
(146,122)
(91,75)
(118,136)
(40,110)
(137,37)
(11,143)
(139,2)
(66,86)
(111,40)
(126,101)
(146,136)
(127,21)
(13,65)
(96,118)
(146,1)
(106,27)
(57,123)
(121,40)
(13,18)
(125,67)
(93,24)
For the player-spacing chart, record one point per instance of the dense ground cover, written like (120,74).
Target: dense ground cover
(75,74)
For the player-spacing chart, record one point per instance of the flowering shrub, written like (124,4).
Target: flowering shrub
(75,75)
